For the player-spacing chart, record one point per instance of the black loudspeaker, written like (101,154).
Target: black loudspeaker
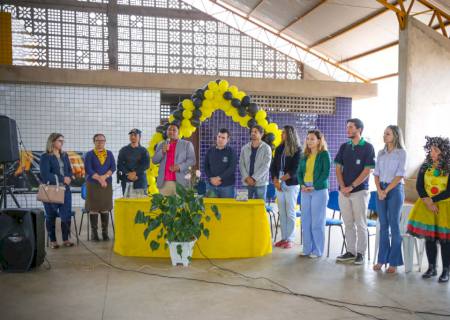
(9,145)
(22,239)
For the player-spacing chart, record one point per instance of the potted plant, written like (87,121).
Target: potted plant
(179,220)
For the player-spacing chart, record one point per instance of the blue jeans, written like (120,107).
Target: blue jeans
(314,206)
(257,192)
(64,211)
(389,211)
(219,192)
(286,201)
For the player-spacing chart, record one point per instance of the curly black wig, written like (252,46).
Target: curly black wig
(443,144)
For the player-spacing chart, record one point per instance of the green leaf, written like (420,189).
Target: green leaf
(190,258)
(154,224)
(206,232)
(146,233)
(139,218)
(216,212)
(179,250)
(154,245)
(181,190)
(208,218)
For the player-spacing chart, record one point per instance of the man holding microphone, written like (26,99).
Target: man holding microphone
(174,157)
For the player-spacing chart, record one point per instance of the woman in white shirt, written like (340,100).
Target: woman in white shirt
(389,171)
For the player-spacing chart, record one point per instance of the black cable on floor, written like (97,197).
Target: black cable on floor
(328,301)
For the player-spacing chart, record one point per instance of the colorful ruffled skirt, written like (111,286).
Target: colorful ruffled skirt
(425,224)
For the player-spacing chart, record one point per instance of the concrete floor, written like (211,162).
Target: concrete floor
(80,286)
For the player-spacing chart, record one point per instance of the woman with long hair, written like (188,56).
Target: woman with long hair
(56,169)
(389,171)
(430,216)
(100,165)
(313,173)
(284,176)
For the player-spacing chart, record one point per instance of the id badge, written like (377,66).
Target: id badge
(358,161)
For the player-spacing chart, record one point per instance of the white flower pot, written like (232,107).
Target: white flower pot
(186,251)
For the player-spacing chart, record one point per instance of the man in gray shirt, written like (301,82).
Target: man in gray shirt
(254,164)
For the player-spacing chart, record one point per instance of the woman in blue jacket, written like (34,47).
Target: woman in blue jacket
(55,168)
(313,173)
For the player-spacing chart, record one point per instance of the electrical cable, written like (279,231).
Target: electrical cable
(328,301)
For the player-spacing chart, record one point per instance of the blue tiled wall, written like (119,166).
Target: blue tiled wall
(333,126)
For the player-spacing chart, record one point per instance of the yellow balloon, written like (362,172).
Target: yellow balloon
(171,118)
(261,114)
(185,124)
(208,95)
(202,118)
(187,104)
(239,95)
(223,85)
(207,104)
(212,85)
(234,90)
(187,114)
(187,133)
(272,127)
(157,137)
(263,123)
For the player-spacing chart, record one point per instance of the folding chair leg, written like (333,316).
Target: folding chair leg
(368,246)
(88,218)
(270,222)
(76,229)
(81,222)
(328,246)
(277,223)
(112,222)
(344,245)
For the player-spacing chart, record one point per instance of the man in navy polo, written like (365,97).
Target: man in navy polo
(354,163)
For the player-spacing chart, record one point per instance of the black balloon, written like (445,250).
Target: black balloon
(176,122)
(236,103)
(197,102)
(200,93)
(195,123)
(252,109)
(270,138)
(251,123)
(218,81)
(227,95)
(196,113)
(178,114)
(160,129)
(242,112)
(245,101)
(164,135)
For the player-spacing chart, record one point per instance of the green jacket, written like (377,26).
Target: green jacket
(321,170)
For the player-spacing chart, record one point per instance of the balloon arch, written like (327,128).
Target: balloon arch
(190,113)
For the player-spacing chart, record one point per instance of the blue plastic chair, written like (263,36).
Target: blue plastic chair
(270,198)
(85,212)
(372,206)
(201,187)
(333,204)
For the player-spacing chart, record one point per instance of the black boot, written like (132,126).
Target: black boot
(444,275)
(94,226)
(105,220)
(431,272)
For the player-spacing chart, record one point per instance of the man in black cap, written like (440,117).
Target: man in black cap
(132,163)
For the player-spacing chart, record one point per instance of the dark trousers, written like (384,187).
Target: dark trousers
(104,217)
(431,249)
(64,211)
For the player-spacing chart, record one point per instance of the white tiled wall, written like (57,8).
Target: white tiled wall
(78,113)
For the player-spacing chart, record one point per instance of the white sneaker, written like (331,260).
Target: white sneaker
(302,254)
(313,256)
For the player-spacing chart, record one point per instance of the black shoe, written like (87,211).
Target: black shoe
(348,256)
(95,236)
(444,275)
(105,236)
(431,272)
(359,259)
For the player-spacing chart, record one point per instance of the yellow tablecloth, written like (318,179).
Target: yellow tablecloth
(242,232)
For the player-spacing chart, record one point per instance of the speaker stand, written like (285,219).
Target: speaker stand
(5,191)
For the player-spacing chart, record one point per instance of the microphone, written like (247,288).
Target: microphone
(168,143)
